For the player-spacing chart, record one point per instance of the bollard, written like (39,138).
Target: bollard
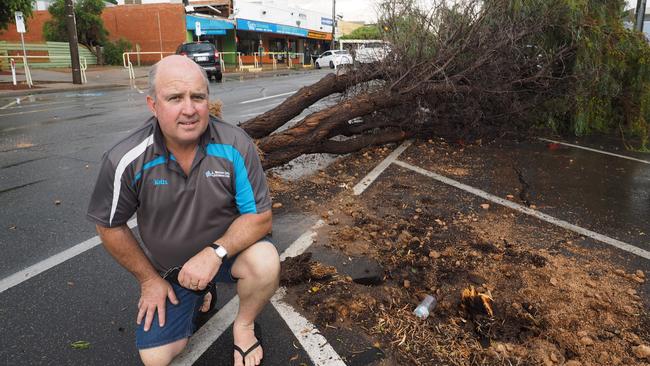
(13,70)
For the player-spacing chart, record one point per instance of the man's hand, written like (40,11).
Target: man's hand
(153,293)
(199,270)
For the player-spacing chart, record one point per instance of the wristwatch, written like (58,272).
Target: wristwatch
(219,250)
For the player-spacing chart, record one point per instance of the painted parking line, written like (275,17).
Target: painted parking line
(10,104)
(269,97)
(595,150)
(42,266)
(528,211)
(368,179)
(316,346)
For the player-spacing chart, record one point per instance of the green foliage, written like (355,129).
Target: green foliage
(365,32)
(9,7)
(611,92)
(90,27)
(113,51)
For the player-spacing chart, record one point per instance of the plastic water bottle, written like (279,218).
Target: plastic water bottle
(426,307)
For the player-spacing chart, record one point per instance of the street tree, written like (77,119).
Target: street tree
(364,32)
(90,27)
(467,70)
(9,7)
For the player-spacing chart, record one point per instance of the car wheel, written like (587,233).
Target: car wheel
(331,64)
(317,65)
(218,76)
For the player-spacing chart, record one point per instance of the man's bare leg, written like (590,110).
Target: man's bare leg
(258,271)
(162,355)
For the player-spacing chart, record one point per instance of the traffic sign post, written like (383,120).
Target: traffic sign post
(197,30)
(20,28)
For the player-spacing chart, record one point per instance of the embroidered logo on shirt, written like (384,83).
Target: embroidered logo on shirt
(216,174)
(159,182)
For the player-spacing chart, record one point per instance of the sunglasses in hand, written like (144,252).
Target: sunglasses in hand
(172,277)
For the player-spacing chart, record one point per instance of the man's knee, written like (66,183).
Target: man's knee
(260,260)
(162,355)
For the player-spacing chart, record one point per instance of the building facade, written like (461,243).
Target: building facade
(262,30)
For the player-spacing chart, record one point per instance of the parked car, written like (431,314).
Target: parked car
(371,52)
(333,58)
(205,54)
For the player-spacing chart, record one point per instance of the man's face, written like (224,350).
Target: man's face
(181,103)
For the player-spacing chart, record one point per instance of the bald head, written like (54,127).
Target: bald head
(175,63)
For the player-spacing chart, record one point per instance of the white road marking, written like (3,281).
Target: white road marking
(528,211)
(315,345)
(39,110)
(42,266)
(595,150)
(265,98)
(368,179)
(208,334)
(10,104)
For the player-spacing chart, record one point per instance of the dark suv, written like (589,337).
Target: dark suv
(205,54)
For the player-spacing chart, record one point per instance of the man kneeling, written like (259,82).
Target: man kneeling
(203,209)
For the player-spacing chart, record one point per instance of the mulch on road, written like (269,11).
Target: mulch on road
(543,295)
(19,86)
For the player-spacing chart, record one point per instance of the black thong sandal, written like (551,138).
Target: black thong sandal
(253,347)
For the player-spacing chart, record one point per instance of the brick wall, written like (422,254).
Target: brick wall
(136,23)
(33,25)
(139,25)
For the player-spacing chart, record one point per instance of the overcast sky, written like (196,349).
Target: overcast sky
(353,10)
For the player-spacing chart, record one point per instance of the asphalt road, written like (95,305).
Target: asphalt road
(50,149)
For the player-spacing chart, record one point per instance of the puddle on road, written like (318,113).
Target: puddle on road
(304,165)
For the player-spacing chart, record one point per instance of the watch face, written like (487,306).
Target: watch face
(221,252)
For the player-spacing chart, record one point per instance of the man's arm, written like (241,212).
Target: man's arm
(122,245)
(245,231)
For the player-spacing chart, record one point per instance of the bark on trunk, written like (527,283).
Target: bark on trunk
(266,123)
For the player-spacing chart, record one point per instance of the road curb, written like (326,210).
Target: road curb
(73,87)
(18,93)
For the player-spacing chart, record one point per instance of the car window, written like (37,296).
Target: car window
(344,52)
(326,53)
(199,47)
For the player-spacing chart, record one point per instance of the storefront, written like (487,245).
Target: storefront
(219,32)
(264,39)
(316,43)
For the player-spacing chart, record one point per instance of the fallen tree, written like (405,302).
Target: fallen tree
(465,69)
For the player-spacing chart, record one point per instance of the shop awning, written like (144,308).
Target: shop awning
(258,26)
(208,25)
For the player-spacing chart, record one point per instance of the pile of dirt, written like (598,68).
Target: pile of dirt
(554,301)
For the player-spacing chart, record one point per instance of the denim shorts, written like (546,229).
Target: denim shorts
(180,318)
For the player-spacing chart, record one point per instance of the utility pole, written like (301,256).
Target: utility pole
(71,24)
(640,15)
(334,23)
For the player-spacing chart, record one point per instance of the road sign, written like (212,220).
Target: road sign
(20,22)
(197,26)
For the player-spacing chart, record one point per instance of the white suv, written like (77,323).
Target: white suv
(333,59)
(371,52)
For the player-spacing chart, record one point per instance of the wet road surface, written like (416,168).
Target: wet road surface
(50,147)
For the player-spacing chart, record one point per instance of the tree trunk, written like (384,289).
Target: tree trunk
(266,123)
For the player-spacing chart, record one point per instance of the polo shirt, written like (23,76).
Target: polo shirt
(178,214)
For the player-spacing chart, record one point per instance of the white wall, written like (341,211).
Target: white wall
(278,12)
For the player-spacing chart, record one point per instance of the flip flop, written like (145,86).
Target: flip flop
(258,335)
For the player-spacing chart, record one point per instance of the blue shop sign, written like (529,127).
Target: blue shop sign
(208,25)
(257,26)
(326,21)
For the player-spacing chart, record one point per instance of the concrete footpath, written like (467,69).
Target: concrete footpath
(99,77)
